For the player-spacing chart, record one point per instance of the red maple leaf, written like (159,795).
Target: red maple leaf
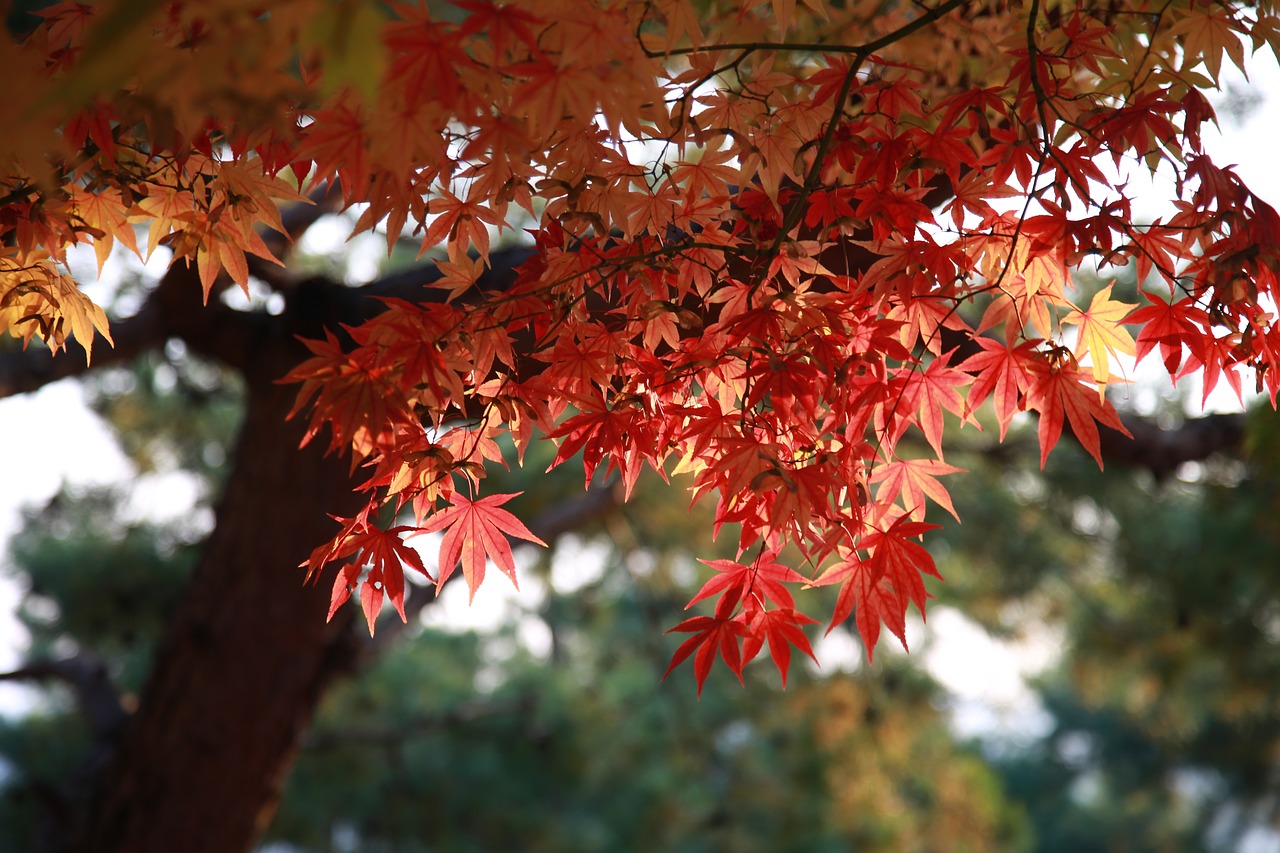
(710,634)
(870,597)
(1170,326)
(475,532)
(385,553)
(931,391)
(880,587)
(1006,371)
(782,628)
(911,481)
(735,582)
(1066,391)
(623,433)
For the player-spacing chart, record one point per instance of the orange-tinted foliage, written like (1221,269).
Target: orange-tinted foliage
(773,240)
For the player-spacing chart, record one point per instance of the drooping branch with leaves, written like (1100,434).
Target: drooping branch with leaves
(769,240)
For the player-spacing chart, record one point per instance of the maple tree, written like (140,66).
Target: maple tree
(769,240)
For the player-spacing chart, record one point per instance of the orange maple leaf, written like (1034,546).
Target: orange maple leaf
(462,223)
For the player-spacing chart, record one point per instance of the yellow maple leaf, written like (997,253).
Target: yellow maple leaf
(1207,35)
(104,217)
(1101,333)
(36,299)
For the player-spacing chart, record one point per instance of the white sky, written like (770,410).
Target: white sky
(50,437)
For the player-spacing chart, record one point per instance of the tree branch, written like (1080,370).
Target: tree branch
(414,283)
(398,733)
(1161,451)
(26,370)
(867,48)
(87,677)
(173,309)
(236,338)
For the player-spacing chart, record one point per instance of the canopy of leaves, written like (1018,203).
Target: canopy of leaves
(754,223)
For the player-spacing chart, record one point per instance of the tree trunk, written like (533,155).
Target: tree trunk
(247,656)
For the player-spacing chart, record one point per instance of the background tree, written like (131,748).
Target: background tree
(755,225)
(1163,702)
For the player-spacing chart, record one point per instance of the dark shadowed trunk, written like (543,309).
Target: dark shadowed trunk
(200,765)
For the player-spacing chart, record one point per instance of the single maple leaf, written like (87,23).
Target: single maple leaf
(910,481)
(343,584)
(710,634)
(462,223)
(869,596)
(710,174)
(782,628)
(879,588)
(475,532)
(1218,357)
(1004,370)
(897,556)
(1171,326)
(1207,35)
(385,553)
(1101,334)
(1061,391)
(736,581)
(931,391)
(1157,246)
(104,215)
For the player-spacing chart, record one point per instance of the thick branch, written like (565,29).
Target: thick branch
(396,735)
(1161,451)
(236,338)
(414,283)
(23,371)
(87,677)
(173,310)
(864,49)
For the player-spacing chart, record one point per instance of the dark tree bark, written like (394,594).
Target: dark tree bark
(200,765)
(248,654)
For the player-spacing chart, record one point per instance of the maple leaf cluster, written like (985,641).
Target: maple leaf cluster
(771,242)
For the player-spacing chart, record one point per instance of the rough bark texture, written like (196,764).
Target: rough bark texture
(200,765)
